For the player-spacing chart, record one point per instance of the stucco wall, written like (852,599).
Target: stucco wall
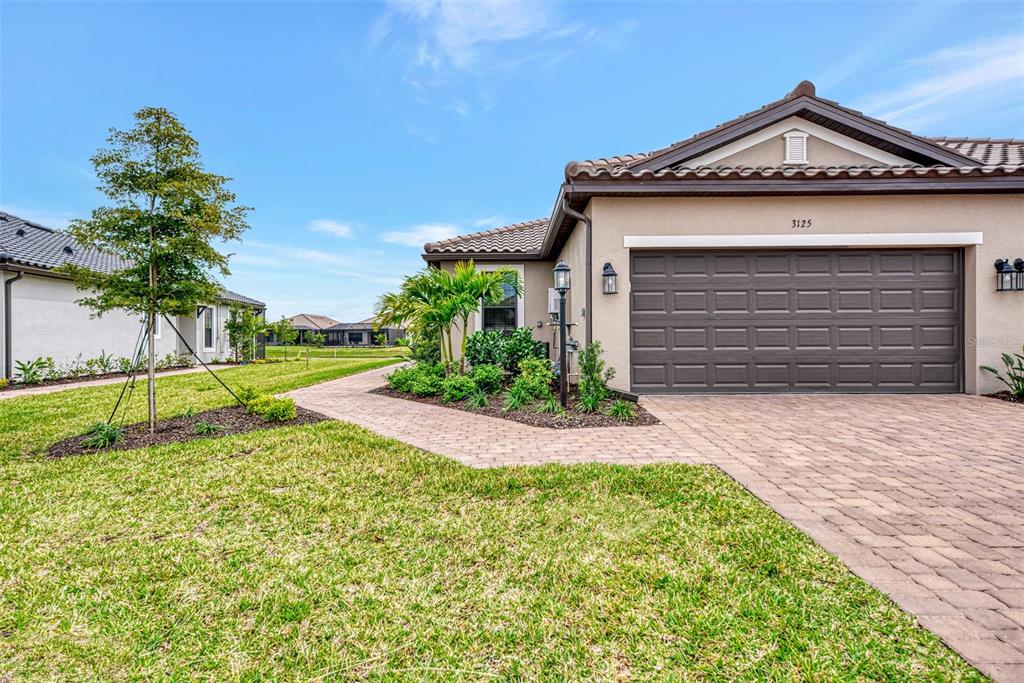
(773,153)
(48,322)
(994,323)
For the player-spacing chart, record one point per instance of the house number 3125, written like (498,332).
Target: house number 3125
(801,223)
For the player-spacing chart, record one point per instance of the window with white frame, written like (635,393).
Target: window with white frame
(796,147)
(209,328)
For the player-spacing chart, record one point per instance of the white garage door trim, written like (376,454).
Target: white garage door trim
(857,240)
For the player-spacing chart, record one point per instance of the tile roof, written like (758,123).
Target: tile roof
(800,172)
(308,321)
(29,244)
(519,238)
(987,150)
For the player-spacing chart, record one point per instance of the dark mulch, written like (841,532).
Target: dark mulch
(1006,396)
(85,378)
(573,420)
(232,420)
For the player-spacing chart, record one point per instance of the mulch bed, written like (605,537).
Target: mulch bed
(85,378)
(232,420)
(573,420)
(1006,396)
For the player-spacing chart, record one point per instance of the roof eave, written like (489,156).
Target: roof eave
(432,256)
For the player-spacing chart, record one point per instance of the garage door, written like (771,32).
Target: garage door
(845,321)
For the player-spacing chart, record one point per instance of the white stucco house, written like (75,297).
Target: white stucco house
(42,319)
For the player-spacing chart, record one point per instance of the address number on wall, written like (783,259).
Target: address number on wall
(801,223)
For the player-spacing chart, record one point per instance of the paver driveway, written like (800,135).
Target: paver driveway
(922,496)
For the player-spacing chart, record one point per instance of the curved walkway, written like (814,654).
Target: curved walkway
(922,496)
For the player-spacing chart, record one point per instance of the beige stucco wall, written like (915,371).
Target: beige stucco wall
(772,152)
(994,323)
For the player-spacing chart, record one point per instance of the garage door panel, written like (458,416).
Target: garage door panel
(850,320)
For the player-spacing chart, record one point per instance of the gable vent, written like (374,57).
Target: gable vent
(796,147)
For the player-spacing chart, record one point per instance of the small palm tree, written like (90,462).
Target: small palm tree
(473,287)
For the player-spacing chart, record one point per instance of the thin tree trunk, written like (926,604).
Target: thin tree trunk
(462,345)
(150,332)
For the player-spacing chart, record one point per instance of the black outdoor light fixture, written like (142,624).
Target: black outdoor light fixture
(1009,278)
(562,281)
(609,284)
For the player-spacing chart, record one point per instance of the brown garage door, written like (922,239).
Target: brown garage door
(845,321)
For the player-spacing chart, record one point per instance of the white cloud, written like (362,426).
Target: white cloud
(418,235)
(332,227)
(953,82)
(490,222)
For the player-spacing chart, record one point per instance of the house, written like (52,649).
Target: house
(801,247)
(362,333)
(307,323)
(42,319)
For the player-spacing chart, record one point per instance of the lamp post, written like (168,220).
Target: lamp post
(561,272)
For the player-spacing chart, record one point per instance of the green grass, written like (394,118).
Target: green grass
(29,424)
(326,552)
(339,352)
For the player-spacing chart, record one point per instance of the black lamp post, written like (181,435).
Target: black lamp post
(1018,265)
(562,286)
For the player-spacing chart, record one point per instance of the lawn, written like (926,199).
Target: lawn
(339,352)
(326,552)
(28,424)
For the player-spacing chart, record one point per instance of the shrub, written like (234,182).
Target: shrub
(589,403)
(402,379)
(4,382)
(456,388)
(102,435)
(477,400)
(488,377)
(1014,379)
(32,371)
(188,412)
(594,375)
(247,394)
(485,348)
(535,376)
(516,397)
(272,409)
(551,405)
(426,384)
(622,410)
(425,347)
(204,428)
(519,346)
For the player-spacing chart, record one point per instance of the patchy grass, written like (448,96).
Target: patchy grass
(29,424)
(339,352)
(326,552)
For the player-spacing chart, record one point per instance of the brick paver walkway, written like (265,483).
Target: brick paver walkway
(922,496)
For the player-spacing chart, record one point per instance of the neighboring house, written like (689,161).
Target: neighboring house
(306,324)
(361,333)
(801,247)
(342,334)
(42,319)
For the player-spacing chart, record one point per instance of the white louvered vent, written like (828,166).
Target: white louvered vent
(796,147)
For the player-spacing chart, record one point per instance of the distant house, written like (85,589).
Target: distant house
(42,319)
(335,333)
(361,333)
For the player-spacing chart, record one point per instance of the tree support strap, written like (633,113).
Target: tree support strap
(196,355)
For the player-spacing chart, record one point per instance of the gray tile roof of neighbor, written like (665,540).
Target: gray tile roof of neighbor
(30,244)
(309,321)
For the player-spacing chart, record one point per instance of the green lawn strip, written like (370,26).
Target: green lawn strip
(29,424)
(339,352)
(327,551)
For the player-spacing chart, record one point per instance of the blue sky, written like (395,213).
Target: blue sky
(359,131)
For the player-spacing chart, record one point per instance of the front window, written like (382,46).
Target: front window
(355,337)
(208,327)
(502,315)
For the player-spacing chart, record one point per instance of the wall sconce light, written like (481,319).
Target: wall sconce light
(1009,278)
(609,279)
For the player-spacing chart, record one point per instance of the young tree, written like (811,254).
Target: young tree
(315,339)
(285,333)
(166,215)
(242,327)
